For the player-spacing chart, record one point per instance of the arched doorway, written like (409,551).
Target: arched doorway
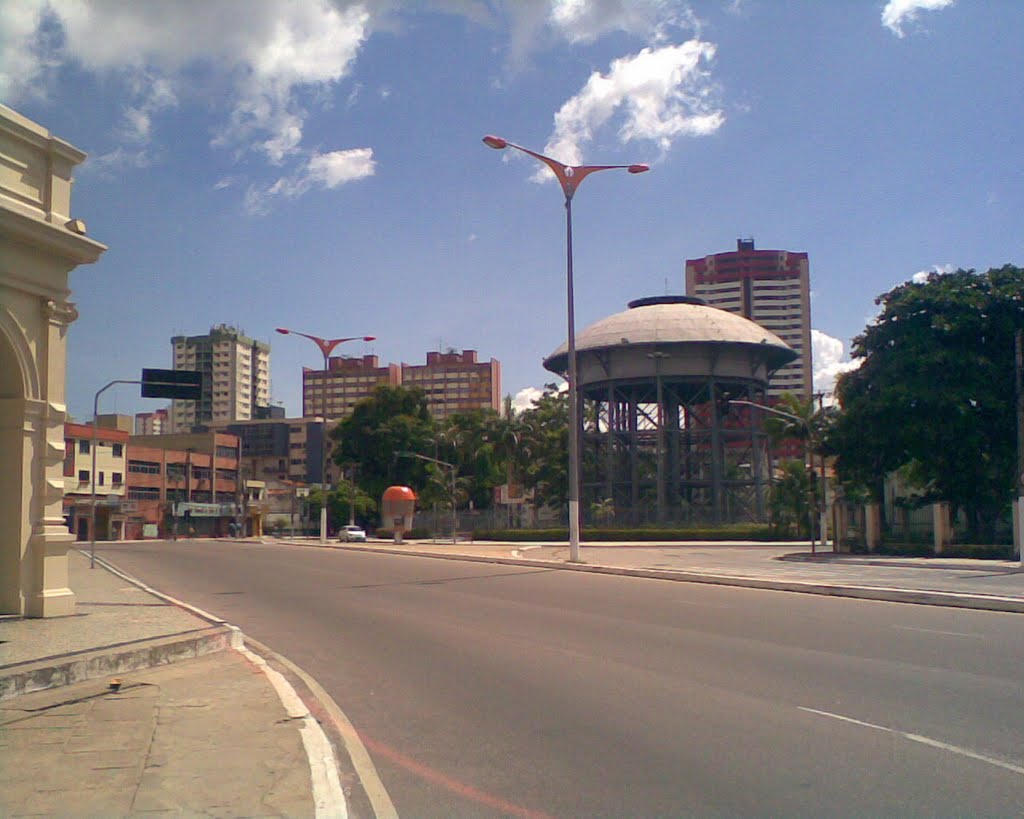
(12,522)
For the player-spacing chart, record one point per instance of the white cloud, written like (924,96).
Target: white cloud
(829,359)
(325,171)
(586,20)
(659,94)
(528,396)
(897,13)
(268,51)
(921,276)
(23,48)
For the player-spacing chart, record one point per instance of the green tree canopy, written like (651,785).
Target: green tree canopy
(392,420)
(935,391)
(545,447)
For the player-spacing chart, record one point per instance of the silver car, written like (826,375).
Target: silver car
(352,534)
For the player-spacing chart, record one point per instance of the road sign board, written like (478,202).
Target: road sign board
(185,385)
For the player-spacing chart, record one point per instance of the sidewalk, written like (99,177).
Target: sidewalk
(192,726)
(980,584)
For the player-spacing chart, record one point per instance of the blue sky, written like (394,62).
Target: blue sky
(318,164)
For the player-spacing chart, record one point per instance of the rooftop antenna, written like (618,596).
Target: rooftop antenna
(666,285)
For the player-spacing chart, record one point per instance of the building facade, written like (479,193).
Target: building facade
(456,382)
(157,422)
(236,377)
(282,449)
(769,287)
(183,485)
(110,445)
(41,242)
(347,381)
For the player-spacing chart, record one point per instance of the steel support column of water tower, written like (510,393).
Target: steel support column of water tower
(660,443)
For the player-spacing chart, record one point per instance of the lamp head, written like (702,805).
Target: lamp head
(369,338)
(283,331)
(638,168)
(495,142)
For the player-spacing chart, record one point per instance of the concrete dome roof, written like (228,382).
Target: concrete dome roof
(667,320)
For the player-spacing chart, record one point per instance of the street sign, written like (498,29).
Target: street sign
(184,385)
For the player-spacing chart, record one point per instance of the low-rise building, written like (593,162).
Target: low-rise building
(109,447)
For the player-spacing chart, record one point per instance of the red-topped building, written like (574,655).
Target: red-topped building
(770,287)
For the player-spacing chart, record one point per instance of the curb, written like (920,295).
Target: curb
(917,596)
(67,669)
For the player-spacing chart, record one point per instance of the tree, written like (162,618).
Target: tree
(392,420)
(935,391)
(790,500)
(545,445)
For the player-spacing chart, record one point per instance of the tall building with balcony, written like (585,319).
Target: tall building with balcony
(236,377)
(346,381)
(770,287)
(456,382)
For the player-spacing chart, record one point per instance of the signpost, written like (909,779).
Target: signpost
(184,385)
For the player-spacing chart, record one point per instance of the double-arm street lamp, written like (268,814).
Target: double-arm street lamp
(326,346)
(569,177)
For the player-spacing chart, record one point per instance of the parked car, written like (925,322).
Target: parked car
(352,534)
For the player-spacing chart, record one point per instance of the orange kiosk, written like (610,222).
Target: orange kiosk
(397,508)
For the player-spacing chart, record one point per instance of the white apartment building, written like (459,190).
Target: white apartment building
(236,377)
(770,287)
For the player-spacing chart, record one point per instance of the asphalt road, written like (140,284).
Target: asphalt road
(487,690)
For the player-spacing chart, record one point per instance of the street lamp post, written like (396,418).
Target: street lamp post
(810,458)
(406,454)
(326,346)
(569,177)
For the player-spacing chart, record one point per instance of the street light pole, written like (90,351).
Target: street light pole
(569,177)
(326,346)
(452,467)
(810,458)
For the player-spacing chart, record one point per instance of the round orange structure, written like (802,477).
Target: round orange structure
(399,493)
(398,504)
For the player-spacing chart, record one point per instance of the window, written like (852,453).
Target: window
(83,447)
(83,476)
(117,478)
(117,450)
(99,478)
(144,467)
(144,493)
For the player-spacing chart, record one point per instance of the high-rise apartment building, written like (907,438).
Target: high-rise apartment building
(157,422)
(348,381)
(455,382)
(770,287)
(452,382)
(236,377)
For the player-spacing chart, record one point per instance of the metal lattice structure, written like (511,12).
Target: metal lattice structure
(660,443)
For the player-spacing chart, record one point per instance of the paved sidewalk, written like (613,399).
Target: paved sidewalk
(984,584)
(207,736)
(193,728)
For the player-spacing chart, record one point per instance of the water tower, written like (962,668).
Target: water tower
(659,438)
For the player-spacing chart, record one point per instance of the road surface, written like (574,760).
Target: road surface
(492,690)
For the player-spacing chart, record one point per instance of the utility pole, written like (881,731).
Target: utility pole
(1018,506)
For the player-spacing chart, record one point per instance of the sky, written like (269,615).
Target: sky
(318,164)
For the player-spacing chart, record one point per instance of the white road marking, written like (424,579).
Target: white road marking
(846,719)
(936,631)
(328,795)
(933,743)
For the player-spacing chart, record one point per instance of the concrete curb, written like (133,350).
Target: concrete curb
(52,672)
(917,596)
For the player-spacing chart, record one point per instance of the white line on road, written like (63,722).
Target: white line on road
(934,743)
(936,631)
